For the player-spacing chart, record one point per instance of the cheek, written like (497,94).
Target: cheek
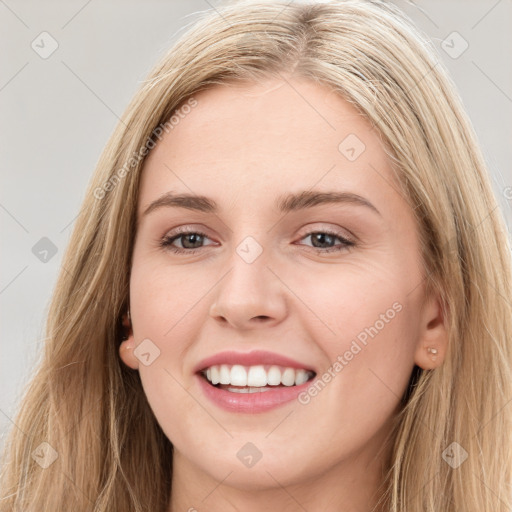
(351,298)
(165,303)
(163,296)
(370,364)
(370,328)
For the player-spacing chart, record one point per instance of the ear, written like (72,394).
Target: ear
(128,345)
(433,338)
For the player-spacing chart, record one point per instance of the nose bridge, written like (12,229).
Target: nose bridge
(249,290)
(248,272)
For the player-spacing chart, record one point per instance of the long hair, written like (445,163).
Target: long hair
(85,437)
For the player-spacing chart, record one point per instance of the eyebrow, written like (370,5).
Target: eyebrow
(286,203)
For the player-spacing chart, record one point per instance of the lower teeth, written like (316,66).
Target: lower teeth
(247,389)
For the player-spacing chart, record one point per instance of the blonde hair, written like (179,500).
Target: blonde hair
(92,410)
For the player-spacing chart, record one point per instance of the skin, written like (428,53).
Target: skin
(243,146)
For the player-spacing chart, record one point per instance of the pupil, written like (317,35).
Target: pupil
(321,237)
(192,236)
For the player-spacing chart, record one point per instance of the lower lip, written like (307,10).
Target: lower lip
(260,401)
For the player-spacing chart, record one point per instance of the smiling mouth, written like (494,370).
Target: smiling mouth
(255,379)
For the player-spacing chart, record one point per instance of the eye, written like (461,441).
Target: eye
(328,237)
(189,241)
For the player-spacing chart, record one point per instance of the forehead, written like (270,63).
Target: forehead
(246,142)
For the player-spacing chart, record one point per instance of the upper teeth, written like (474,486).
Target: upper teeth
(256,376)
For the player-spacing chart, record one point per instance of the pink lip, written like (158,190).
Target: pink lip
(251,403)
(253,358)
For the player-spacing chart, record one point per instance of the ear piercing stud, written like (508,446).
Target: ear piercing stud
(432,351)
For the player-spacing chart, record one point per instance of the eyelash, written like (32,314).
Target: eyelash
(167,241)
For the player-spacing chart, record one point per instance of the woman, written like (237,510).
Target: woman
(288,288)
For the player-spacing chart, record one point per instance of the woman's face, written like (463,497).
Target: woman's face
(286,171)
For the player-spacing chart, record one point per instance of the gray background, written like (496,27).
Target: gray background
(58,112)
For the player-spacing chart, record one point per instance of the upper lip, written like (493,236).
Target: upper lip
(253,358)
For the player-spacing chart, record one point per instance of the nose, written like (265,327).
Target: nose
(250,295)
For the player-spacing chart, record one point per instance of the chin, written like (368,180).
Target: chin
(268,472)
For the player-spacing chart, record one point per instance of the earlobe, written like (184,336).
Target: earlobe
(126,354)
(433,341)
(127,345)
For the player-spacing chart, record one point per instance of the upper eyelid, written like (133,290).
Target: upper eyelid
(309,231)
